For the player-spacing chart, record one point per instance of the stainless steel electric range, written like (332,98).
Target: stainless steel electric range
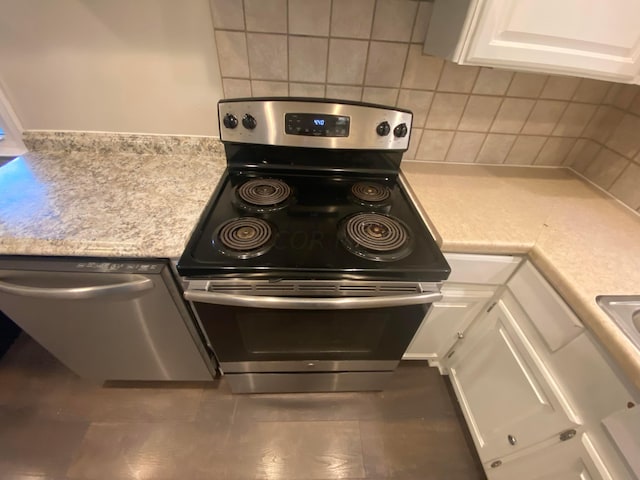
(311,268)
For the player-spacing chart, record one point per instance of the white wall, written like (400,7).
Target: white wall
(11,139)
(141,66)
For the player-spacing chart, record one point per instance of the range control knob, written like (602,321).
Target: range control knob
(400,130)
(230,121)
(249,122)
(383,129)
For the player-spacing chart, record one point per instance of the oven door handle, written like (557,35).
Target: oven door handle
(311,303)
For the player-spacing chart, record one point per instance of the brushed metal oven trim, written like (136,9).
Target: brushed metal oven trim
(308,382)
(270,129)
(309,366)
(312,303)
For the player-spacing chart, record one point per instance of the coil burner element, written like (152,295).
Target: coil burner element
(375,237)
(370,192)
(245,237)
(263,194)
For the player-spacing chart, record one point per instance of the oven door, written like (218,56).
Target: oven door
(257,334)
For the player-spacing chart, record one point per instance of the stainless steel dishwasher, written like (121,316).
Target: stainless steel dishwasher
(106,319)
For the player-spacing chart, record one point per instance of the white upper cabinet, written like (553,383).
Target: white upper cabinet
(588,38)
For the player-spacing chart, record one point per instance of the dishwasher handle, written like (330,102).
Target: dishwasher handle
(312,303)
(138,284)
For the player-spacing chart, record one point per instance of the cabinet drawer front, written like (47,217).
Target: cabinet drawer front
(553,319)
(481,269)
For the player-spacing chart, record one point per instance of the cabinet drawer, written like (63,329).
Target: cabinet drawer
(552,318)
(481,269)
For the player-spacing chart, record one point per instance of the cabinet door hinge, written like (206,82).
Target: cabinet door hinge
(491,306)
(567,435)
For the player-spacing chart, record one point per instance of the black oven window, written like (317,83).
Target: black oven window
(272,332)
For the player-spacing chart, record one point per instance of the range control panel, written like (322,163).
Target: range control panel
(314,123)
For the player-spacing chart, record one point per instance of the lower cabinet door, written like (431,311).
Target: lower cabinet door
(576,459)
(447,320)
(505,398)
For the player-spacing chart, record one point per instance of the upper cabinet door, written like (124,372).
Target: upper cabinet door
(589,38)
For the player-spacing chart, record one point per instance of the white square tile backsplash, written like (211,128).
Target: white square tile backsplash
(394,20)
(309,17)
(371,50)
(265,16)
(354,19)
(347,61)
(300,50)
(385,63)
(268,56)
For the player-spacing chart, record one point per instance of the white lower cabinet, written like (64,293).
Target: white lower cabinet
(536,390)
(576,458)
(504,392)
(447,320)
(473,282)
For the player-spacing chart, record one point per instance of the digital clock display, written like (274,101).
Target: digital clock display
(317,125)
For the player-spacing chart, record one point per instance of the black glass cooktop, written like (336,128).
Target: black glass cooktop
(290,225)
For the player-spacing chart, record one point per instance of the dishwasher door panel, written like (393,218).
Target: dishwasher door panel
(105,326)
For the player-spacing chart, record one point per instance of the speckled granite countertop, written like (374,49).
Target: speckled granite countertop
(584,242)
(96,204)
(146,205)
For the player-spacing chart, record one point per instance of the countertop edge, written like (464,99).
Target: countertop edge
(609,336)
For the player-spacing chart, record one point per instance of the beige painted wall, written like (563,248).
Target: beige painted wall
(143,66)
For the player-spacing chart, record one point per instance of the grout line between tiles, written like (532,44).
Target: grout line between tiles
(218,50)
(510,147)
(564,110)
(611,87)
(535,102)
(286,7)
(620,174)
(573,145)
(593,158)
(406,56)
(326,63)
(246,44)
(419,140)
(507,133)
(503,97)
(515,140)
(456,130)
(446,154)
(415,22)
(535,159)
(586,125)
(369,40)
(544,85)
(484,140)
(609,135)
(577,88)
(404,69)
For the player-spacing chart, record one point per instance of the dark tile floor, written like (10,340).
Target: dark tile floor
(54,426)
